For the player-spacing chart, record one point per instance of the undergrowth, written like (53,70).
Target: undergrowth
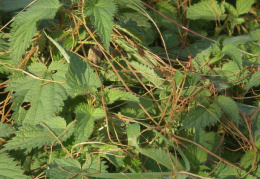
(129,89)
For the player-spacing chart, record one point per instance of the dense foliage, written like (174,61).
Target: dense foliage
(129,89)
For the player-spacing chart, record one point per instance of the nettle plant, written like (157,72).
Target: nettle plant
(93,91)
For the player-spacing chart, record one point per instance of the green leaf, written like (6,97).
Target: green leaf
(112,95)
(6,130)
(162,157)
(7,5)
(242,39)
(151,75)
(170,39)
(155,175)
(170,11)
(254,80)
(86,117)
(60,48)
(243,6)
(103,13)
(229,106)
(64,168)
(224,171)
(133,131)
(81,77)
(208,10)
(255,34)
(196,155)
(9,169)
(248,159)
(32,136)
(24,26)
(43,97)
(202,117)
(71,168)
(234,53)
(117,127)
(230,72)
(231,9)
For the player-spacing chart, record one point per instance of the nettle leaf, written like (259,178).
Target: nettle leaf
(170,11)
(249,159)
(202,116)
(234,53)
(43,98)
(196,155)
(242,39)
(24,26)
(112,95)
(243,6)
(71,168)
(208,10)
(256,34)
(9,169)
(161,156)
(131,5)
(151,75)
(64,168)
(224,171)
(86,117)
(229,106)
(231,9)
(103,13)
(7,5)
(230,72)
(6,130)
(35,136)
(254,80)
(81,77)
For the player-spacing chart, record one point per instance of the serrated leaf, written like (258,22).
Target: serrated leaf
(35,136)
(6,130)
(249,159)
(230,72)
(86,117)
(64,168)
(255,34)
(208,10)
(243,6)
(81,76)
(9,169)
(231,9)
(131,28)
(254,80)
(24,26)
(196,155)
(202,117)
(103,13)
(7,5)
(44,97)
(113,153)
(154,77)
(234,53)
(71,168)
(170,39)
(224,171)
(170,11)
(112,95)
(162,157)
(242,39)
(229,106)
